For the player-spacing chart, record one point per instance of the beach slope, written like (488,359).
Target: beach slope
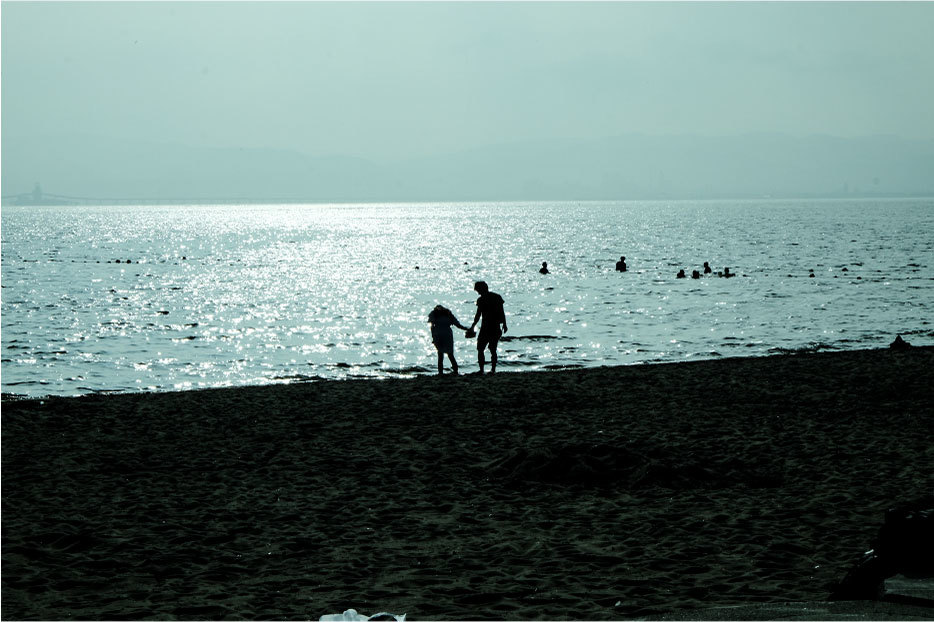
(595,493)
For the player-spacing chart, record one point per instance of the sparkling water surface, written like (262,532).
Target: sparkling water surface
(238,295)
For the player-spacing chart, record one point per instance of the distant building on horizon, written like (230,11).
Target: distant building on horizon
(36,197)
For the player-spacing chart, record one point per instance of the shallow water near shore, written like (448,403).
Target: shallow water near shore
(238,295)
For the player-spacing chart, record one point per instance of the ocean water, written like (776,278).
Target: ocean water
(240,295)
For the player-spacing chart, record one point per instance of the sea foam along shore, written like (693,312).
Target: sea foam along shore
(593,493)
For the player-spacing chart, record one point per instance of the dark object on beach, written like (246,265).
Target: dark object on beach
(899,343)
(905,545)
(621,265)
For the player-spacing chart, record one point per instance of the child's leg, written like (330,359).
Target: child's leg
(453,362)
(440,362)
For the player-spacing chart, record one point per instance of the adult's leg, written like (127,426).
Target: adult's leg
(440,362)
(483,340)
(494,340)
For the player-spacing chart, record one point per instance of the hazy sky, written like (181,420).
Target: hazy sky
(386,78)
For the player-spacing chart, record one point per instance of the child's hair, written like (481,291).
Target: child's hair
(439,309)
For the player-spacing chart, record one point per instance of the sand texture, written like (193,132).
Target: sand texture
(596,494)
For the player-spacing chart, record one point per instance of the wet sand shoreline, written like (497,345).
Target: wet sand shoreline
(583,494)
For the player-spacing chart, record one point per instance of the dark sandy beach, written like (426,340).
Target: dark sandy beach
(584,494)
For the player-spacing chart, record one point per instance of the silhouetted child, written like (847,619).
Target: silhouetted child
(441,320)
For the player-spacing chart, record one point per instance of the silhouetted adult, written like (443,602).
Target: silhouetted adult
(707,269)
(441,319)
(490,309)
(544,268)
(621,265)
(681,274)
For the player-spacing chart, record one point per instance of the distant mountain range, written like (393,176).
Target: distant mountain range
(622,167)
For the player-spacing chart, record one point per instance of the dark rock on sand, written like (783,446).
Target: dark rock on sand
(899,344)
(905,545)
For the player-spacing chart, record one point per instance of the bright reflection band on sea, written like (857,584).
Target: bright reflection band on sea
(136,298)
